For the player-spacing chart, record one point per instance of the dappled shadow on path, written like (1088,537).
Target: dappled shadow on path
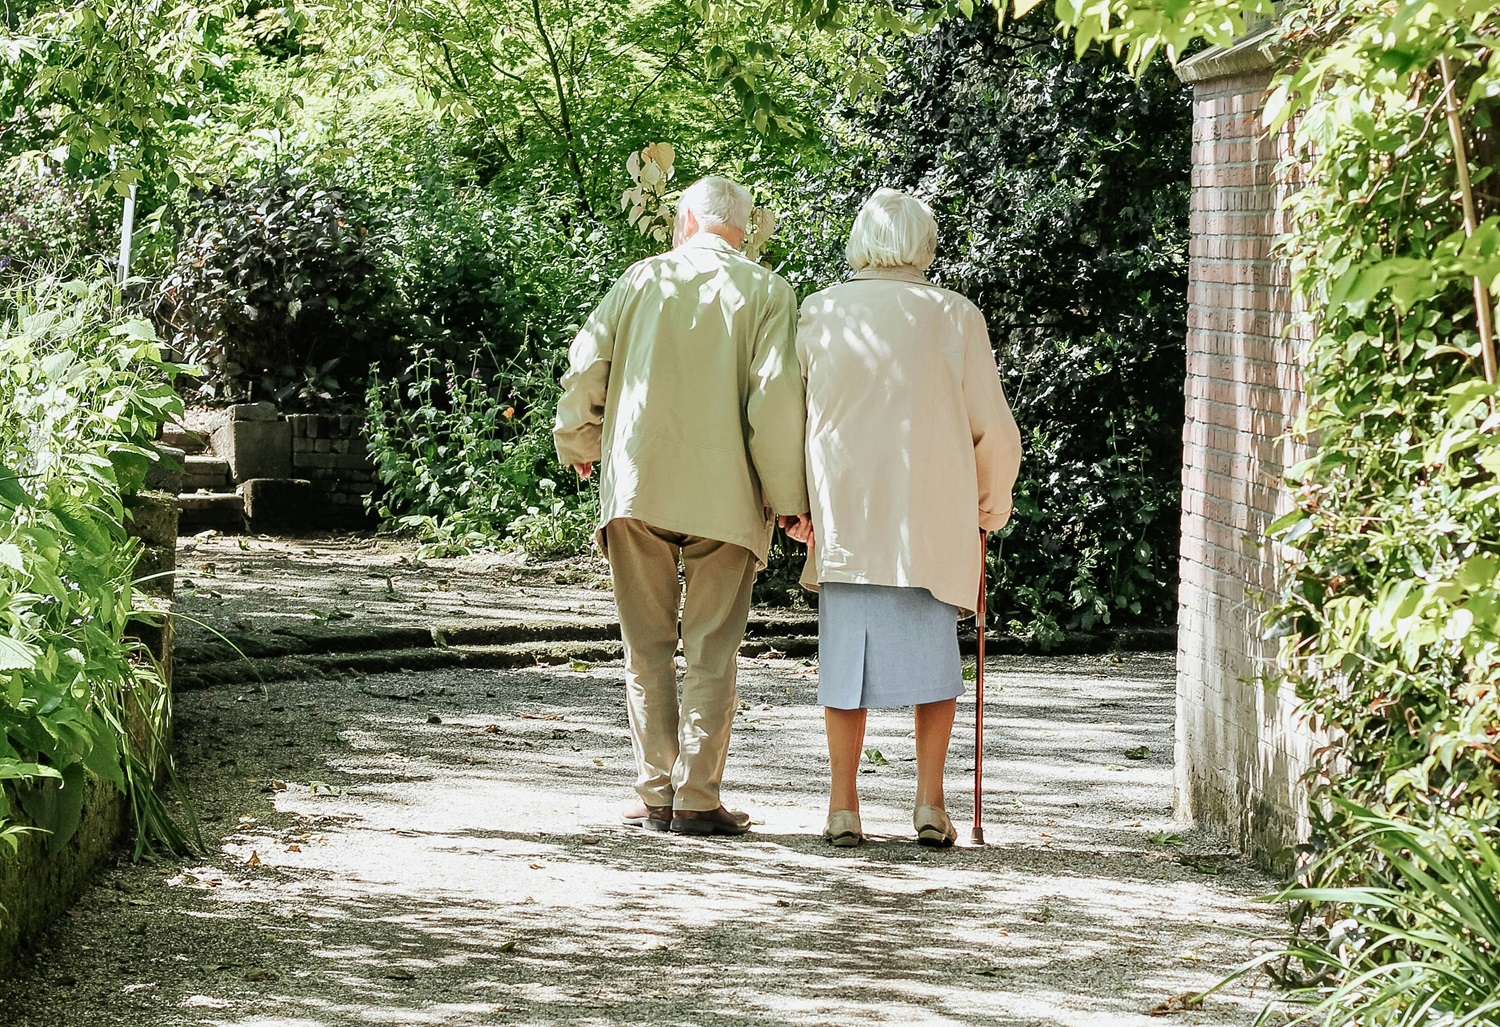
(454,859)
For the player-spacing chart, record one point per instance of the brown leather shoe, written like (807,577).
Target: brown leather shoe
(652,818)
(709,821)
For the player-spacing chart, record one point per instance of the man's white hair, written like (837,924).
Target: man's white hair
(892,229)
(716,201)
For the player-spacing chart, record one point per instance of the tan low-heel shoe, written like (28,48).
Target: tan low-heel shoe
(843,829)
(934,829)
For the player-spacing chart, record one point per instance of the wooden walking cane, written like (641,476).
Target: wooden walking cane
(976,836)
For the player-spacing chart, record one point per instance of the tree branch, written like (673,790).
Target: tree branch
(569,139)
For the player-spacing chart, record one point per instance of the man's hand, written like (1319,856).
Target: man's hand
(799,527)
(585,471)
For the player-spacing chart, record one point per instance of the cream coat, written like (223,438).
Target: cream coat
(911,446)
(683,386)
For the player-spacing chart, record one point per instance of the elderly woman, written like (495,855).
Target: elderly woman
(911,454)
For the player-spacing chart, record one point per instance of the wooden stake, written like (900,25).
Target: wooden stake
(1484,312)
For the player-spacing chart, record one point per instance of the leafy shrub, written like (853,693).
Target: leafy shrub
(1389,616)
(273,281)
(447,260)
(82,392)
(49,225)
(1061,190)
(466,462)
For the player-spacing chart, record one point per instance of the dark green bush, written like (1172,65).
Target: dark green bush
(276,284)
(1061,190)
(447,259)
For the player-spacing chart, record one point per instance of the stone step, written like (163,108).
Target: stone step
(222,510)
(201,472)
(178,437)
(205,466)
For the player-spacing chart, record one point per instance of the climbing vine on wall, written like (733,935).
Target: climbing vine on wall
(1390,622)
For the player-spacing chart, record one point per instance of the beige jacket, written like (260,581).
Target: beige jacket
(911,446)
(683,386)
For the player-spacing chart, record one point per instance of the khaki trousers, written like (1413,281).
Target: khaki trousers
(680,742)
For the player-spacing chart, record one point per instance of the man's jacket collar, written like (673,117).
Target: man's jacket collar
(904,273)
(711,241)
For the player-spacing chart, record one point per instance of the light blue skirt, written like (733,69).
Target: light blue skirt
(881,646)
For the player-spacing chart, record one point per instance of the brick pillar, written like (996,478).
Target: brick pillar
(1240,750)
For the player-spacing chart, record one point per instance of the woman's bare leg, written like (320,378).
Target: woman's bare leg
(934,729)
(846,740)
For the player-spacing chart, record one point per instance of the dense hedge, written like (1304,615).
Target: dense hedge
(1061,189)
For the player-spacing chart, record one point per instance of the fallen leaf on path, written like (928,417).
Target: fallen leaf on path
(294,848)
(260,973)
(1177,1004)
(254,860)
(876,758)
(509,946)
(1140,752)
(581,666)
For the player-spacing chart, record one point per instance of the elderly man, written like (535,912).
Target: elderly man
(684,387)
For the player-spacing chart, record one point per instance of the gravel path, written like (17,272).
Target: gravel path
(441,848)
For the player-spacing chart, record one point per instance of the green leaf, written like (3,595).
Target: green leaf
(12,769)
(56,805)
(17,655)
(1480,571)
(11,492)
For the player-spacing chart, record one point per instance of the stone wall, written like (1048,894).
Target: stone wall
(1240,750)
(270,472)
(331,452)
(39,882)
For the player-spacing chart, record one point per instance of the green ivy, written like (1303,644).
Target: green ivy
(1391,621)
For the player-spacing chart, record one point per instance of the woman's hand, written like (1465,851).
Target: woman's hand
(800,527)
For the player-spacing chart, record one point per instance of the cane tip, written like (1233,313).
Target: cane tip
(976,836)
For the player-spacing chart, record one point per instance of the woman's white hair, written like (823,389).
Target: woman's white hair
(892,229)
(716,201)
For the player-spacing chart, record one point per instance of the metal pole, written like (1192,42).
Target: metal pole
(976,836)
(127,234)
